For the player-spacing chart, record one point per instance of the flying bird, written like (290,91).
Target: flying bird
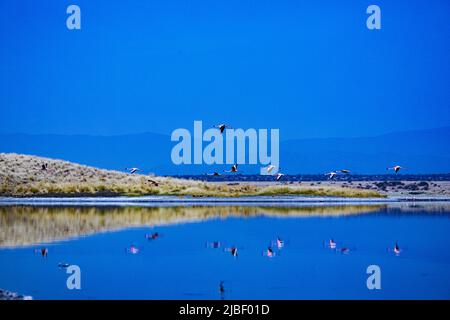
(153,182)
(270,168)
(395,168)
(279,176)
(234,168)
(344,171)
(222,127)
(133,170)
(331,174)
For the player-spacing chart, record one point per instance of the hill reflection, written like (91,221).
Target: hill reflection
(27,225)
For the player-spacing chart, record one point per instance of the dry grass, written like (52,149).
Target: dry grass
(21,175)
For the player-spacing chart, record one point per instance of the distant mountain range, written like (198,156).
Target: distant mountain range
(420,151)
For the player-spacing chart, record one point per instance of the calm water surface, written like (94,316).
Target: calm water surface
(182,263)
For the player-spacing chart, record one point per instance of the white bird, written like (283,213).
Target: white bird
(395,168)
(331,174)
(233,168)
(332,244)
(279,176)
(222,127)
(397,249)
(133,170)
(270,168)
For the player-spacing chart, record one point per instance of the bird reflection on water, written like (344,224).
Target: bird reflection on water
(193,258)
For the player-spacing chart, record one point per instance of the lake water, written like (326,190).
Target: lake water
(118,259)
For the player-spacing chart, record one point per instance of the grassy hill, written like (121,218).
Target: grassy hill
(22,175)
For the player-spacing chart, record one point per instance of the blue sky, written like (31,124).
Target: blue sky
(309,68)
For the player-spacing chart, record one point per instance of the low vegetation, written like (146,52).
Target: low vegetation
(23,175)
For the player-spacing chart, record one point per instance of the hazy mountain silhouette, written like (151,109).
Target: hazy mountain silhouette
(420,151)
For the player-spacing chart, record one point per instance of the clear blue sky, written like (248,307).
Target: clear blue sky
(309,68)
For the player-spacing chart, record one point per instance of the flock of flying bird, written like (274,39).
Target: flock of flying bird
(234,168)
(278,176)
(276,245)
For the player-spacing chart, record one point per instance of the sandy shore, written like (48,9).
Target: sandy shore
(31,176)
(410,189)
(392,191)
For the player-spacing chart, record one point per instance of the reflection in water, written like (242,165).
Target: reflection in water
(27,225)
(233,252)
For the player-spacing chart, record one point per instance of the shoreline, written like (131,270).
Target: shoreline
(25,176)
(43,224)
(149,201)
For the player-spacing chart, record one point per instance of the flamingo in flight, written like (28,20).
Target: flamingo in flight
(133,170)
(222,127)
(270,168)
(395,168)
(279,176)
(233,169)
(331,174)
